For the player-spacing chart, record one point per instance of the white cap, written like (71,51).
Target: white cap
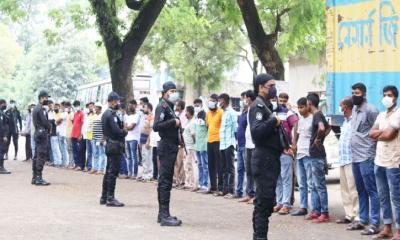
(98,104)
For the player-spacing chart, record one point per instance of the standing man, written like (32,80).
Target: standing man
(201,145)
(3,135)
(147,153)
(98,141)
(132,124)
(61,121)
(27,133)
(213,121)
(42,130)
(87,132)
(227,134)
(55,144)
(179,171)
(189,135)
(363,149)
(168,125)
(347,183)
(264,128)
(114,134)
(14,118)
(76,136)
(241,146)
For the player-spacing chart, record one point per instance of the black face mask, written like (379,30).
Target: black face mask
(56,110)
(357,100)
(45,102)
(4,107)
(272,92)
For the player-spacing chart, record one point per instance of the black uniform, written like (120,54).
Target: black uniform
(165,125)
(42,130)
(265,162)
(4,132)
(114,135)
(14,117)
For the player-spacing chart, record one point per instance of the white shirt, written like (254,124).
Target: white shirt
(62,128)
(154,138)
(183,119)
(304,131)
(249,141)
(133,134)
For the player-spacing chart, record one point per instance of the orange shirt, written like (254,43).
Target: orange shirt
(213,120)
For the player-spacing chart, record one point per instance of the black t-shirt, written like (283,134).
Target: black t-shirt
(315,151)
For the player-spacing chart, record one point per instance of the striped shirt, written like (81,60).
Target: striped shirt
(228,129)
(97,128)
(344,143)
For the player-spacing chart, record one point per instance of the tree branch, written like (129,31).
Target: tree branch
(278,26)
(134,4)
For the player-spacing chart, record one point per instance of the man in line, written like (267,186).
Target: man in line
(132,124)
(61,122)
(264,127)
(27,133)
(4,129)
(301,146)
(201,145)
(98,141)
(87,133)
(363,150)
(168,125)
(147,153)
(42,129)
(76,136)
(227,142)
(213,121)
(179,171)
(189,135)
(347,183)
(387,161)
(14,118)
(55,146)
(241,148)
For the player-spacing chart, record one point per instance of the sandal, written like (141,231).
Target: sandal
(382,235)
(355,226)
(343,221)
(371,230)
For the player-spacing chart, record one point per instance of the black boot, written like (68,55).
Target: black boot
(34,175)
(111,180)
(255,237)
(166,220)
(2,169)
(159,215)
(39,180)
(103,198)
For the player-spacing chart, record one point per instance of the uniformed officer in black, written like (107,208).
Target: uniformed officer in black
(265,161)
(4,132)
(114,134)
(42,129)
(167,124)
(14,119)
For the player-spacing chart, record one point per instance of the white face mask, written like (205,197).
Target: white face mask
(274,105)
(173,97)
(197,109)
(46,108)
(387,102)
(212,105)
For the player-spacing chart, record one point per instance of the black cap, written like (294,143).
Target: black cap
(261,79)
(113,96)
(43,93)
(168,86)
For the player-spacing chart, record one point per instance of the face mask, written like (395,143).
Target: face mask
(4,107)
(220,105)
(173,97)
(212,105)
(274,105)
(12,105)
(241,104)
(357,100)
(272,92)
(387,102)
(197,109)
(45,102)
(46,108)
(68,110)
(56,111)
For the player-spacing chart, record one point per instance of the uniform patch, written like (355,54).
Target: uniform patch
(259,116)
(115,119)
(162,116)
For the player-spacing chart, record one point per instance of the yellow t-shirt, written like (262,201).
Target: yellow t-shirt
(213,120)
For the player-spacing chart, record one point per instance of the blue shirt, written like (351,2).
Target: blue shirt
(345,143)
(241,132)
(228,129)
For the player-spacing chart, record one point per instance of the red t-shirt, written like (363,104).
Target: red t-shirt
(77,125)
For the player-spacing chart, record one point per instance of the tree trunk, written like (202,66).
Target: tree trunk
(199,87)
(263,44)
(121,78)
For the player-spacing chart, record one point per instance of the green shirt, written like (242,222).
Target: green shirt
(201,135)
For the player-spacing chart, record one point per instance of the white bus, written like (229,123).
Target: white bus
(98,91)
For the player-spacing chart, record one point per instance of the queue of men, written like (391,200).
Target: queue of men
(193,148)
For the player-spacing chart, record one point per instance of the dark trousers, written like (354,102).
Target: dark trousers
(155,163)
(228,169)
(266,169)
(167,153)
(123,169)
(249,174)
(14,137)
(28,147)
(41,153)
(214,166)
(82,153)
(110,178)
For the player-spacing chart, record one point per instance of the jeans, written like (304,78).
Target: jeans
(249,174)
(124,166)
(285,181)
(393,175)
(133,161)
(33,145)
(89,151)
(62,141)
(367,192)
(241,170)
(304,178)
(228,168)
(202,163)
(99,160)
(55,150)
(319,182)
(76,152)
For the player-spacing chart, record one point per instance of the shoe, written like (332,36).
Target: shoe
(4,171)
(40,182)
(103,201)
(113,202)
(313,215)
(300,212)
(170,222)
(277,208)
(324,217)
(218,194)
(284,211)
(343,221)
(159,218)
(229,196)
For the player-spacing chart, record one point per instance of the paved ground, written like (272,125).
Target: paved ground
(69,209)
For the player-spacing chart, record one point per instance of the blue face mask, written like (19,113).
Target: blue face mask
(173,97)
(272,92)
